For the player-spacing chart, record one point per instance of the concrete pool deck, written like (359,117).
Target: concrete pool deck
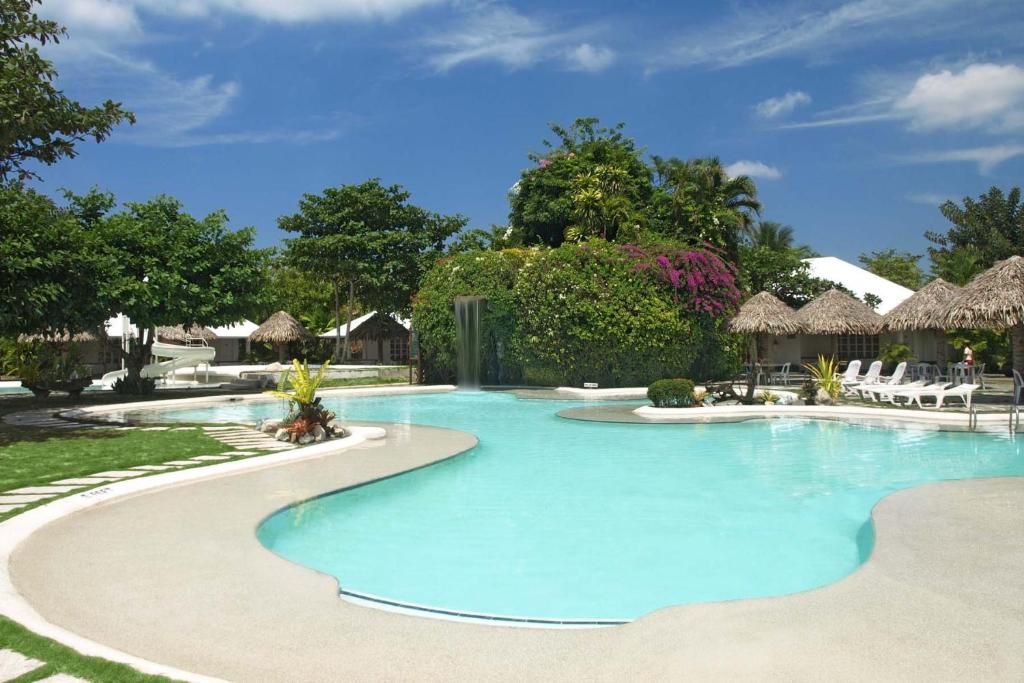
(177,576)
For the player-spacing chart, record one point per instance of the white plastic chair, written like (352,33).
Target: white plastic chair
(961,391)
(871,377)
(781,375)
(868,390)
(850,376)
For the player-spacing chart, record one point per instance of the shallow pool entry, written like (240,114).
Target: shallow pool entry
(552,519)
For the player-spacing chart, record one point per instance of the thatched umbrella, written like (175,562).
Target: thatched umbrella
(762,314)
(994,300)
(280,330)
(926,309)
(835,313)
(177,333)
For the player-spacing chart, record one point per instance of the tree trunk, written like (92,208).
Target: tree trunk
(348,325)
(1017,344)
(337,324)
(138,353)
(752,375)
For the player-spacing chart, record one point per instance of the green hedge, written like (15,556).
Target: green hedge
(671,393)
(565,316)
(490,274)
(586,315)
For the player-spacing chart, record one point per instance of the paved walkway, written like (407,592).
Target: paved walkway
(15,665)
(177,576)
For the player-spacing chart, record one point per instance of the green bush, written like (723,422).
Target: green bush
(618,315)
(586,315)
(671,393)
(490,274)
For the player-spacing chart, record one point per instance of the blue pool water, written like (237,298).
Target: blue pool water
(555,518)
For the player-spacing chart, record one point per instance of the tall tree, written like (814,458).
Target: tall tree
(50,263)
(369,238)
(783,273)
(992,226)
(958,265)
(171,268)
(697,200)
(901,267)
(544,200)
(37,121)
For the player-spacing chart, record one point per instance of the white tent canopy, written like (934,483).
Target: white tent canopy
(859,281)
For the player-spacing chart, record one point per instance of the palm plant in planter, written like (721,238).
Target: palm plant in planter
(307,419)
(826,378)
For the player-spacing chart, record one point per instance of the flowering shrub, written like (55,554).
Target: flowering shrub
(699,279)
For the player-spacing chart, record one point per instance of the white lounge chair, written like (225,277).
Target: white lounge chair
(868,390)
(912,391)
(961,391)
(850,376)
(887,392)
(874,371)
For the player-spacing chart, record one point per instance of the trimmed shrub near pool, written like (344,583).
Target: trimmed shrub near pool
(672,393)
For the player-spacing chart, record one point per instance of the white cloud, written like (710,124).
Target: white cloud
(587,57)
(500,34)
(775,30)
(928,198)
(754,169)
(92,17)
(983,96)
(115,12)
(987,158)
(986,96)
(775,107)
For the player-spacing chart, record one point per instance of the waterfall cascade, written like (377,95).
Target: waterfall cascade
(468,312)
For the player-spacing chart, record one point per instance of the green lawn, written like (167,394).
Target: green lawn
(33,456)
(60,659)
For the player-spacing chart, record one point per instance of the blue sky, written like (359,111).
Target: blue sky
(856,118)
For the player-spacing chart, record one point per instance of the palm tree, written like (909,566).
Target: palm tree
(770,234)
(705,202)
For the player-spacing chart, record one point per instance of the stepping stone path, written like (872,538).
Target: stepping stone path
(233,436)
(14,665)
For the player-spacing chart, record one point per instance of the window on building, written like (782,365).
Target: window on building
(400,349)
(854,346)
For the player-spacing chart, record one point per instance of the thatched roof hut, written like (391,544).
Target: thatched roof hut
(835,313)
(280,330)
(993,300)
(765,314)
(177,333)
(927,309)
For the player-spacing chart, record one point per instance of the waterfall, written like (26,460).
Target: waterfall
(468,311)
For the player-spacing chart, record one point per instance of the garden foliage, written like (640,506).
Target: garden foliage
(597,312)
(671,393)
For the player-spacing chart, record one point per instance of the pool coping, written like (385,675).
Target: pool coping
(133,488)
(113,412)
(17,529)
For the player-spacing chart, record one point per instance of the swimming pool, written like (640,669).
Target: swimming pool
(557,519)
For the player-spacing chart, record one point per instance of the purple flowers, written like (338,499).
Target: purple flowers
(699,278)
